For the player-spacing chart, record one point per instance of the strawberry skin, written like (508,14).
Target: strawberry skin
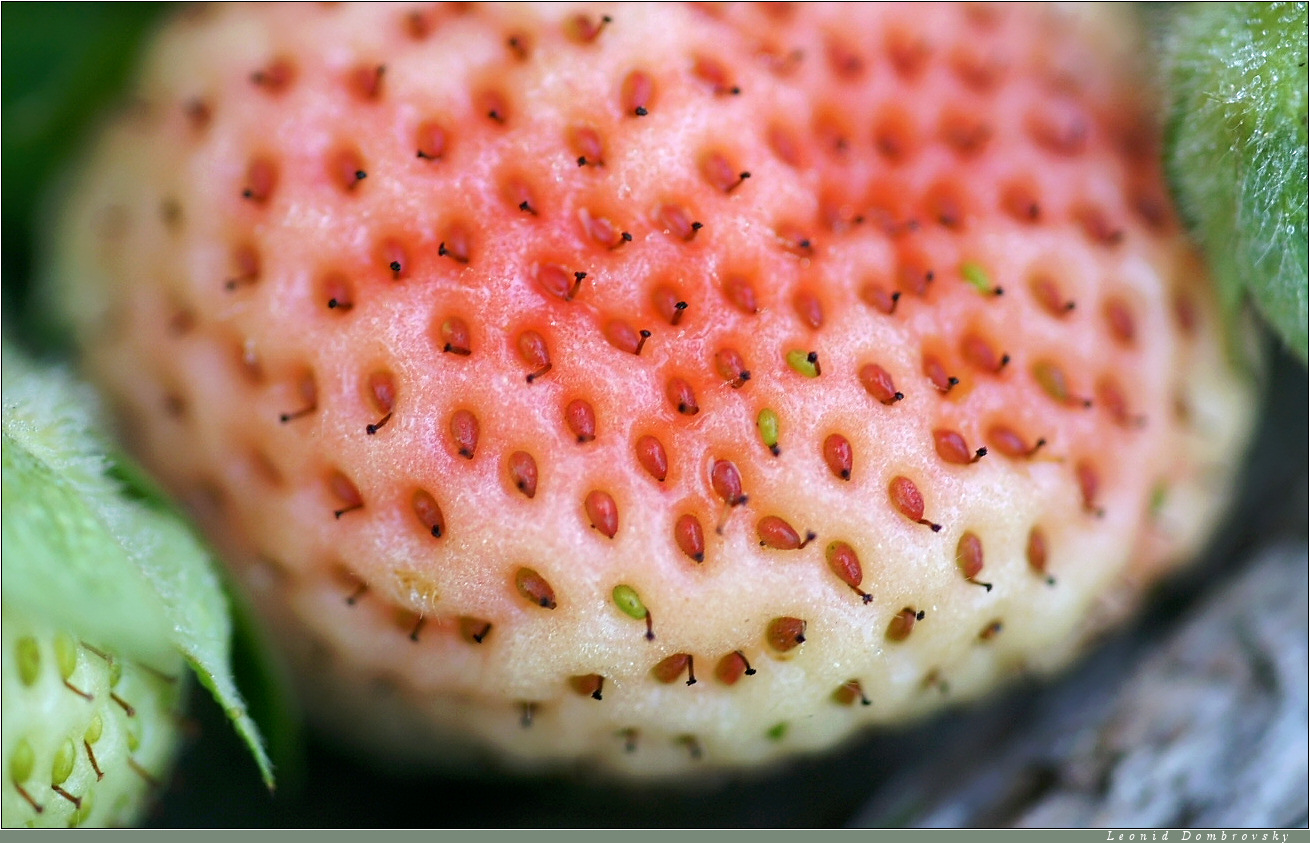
(657,387)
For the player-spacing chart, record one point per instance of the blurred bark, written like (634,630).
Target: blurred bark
(1208,730)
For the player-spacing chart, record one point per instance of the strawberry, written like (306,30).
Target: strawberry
(656,387)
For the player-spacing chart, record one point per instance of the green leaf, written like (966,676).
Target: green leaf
(114,567)
(1235,149)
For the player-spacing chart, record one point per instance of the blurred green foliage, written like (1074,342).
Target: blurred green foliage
(61,66)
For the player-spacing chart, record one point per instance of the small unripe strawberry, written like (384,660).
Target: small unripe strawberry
(109,604)
(646,386)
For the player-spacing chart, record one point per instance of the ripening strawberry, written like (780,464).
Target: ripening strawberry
(657,387)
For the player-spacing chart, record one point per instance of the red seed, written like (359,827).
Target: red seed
(1036,551)
(494,105)
(936,372)
(429,513)
(651,455)
(457,244)
(731,367)
(431,141)
(366,81)
(669,669)
(779,535)
(337,293)
(587,686)
(534,588)
(346,492)
(346,168)
(586,142)
(523,472)
(719,173)
(838,455)
(1119,319)
(878,383)
(584,29)
(952,448)
(980,354)
(733,667)
(638,93)
(602,512)
(741,294)
(785,145)
(907,500)
(969,555)
(1111,397)
(678,222)
(713,74)
(681,397)
(850,691)
(1048,295)
(603,231)
(879,298)
(690,537)
(1089,484)
(454,337)
(808,308)
(624,337)
(276,77)
(1010,443)
(1097,227)
(668,304)
(785,634)
(913,275)
(393,256)
(381,388)
(581,420)
(1059,128)
(845,564)
(261,179)
(464,433)
(726,481)
(533,352)
(900,626)
(557,281)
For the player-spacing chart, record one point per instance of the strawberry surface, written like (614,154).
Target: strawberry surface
(655,386)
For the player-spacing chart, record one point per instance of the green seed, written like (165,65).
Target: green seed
(83,811)
(21,762)
(1158,496)
(115,672)
(778,732)
(94,729)
(65,758)
(29,660)
(625,597)
(804,362)
(133,739)
(768,425)
(977,276)
(66,654)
